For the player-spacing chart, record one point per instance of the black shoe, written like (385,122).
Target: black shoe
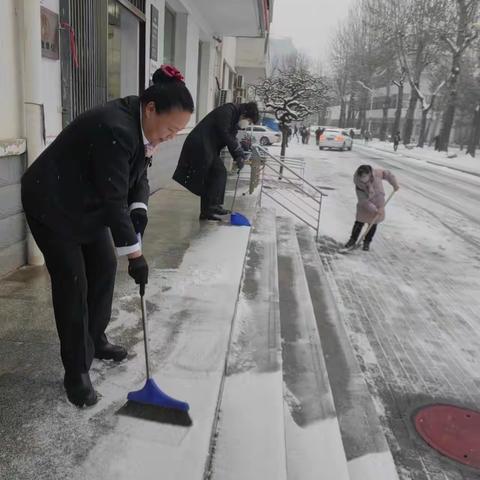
(350,243)
(209,216)
(108,351)
(79,390)
(219,210)
(366,247)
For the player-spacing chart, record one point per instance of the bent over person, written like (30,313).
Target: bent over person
(371,201)
(200,168)
(89,183)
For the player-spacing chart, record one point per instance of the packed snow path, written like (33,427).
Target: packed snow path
(410,305)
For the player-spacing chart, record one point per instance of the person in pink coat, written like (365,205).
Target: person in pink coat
(371,201)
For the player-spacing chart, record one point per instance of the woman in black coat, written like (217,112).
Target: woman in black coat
(90,182)
(200,168)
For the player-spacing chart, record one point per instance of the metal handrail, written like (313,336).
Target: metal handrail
(260,155)
(300,207)
(296,186)
(291,211)
(290,170)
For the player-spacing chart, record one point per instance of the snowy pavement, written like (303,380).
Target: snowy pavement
(411,305)
(454,159)
(191,297)
(306,385)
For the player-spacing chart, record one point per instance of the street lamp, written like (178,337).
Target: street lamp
(371,104)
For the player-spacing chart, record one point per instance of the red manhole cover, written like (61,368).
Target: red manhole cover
(453,431)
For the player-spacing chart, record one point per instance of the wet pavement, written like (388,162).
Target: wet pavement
(42,436)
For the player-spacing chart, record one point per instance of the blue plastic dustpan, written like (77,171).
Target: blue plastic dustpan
(151,394)
(239,220)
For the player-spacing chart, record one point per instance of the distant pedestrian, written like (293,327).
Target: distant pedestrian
(436,140)
(366,136)
(352,133)
(318,134)
(396,141)
(296,133)
(371,201)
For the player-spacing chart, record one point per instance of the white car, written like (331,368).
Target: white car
(262,135)
(336,138)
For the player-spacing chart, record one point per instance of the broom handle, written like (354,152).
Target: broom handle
(145,327)
(235,193)
(370,225)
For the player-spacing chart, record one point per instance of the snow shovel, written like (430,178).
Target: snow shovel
(370,225)
(151,394)
(236,218)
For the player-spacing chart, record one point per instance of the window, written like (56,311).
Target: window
(258,129)
(169,38)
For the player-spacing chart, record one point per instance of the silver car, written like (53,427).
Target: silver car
(335,138)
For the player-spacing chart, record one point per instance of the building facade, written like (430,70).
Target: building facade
(62,57)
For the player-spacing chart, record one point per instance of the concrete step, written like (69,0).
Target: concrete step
(369,456)
(312,434)
(249,439)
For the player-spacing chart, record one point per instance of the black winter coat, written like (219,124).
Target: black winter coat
(203,145)
(87,178)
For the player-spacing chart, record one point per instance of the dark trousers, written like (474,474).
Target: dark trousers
(215,185)
(357,228)
(83,278)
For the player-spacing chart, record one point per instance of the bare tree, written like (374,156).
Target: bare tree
(466,32)
(292,95)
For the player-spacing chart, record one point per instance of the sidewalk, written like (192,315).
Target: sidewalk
(461,162)
(193,265)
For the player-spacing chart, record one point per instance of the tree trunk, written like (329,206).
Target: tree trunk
(423,127)
(343,107)
(449,113)
(398,111)
(351,111)
(386,108)
(475,133)
(410,117)
(284,129)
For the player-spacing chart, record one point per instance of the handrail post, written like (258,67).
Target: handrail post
(318,219)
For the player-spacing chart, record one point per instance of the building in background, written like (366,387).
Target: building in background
(62,57)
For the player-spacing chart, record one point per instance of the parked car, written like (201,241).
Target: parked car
(261,134)
(336,138)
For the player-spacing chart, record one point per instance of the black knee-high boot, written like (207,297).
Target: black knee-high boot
(357,228)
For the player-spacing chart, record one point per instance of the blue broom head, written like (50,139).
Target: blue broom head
(151,394)
(239,220)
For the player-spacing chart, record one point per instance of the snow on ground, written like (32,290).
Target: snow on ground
(189,332)
(454,158)
(410,305)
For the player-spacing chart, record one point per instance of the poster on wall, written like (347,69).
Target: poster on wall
(49,34)
(154,33)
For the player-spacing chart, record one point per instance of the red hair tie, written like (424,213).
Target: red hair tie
(172,72)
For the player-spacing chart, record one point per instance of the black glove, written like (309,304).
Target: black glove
(138,270)
(139,220)
(240,161)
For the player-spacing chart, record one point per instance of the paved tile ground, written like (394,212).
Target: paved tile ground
(411,310)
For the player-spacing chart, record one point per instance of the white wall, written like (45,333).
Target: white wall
(229,51)
(51,86)
(11,58)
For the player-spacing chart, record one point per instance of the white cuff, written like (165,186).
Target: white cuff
(135,205)
(121,251)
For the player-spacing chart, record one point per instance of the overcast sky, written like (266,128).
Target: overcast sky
(310,23)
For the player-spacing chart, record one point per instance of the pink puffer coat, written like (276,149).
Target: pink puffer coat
(371,195)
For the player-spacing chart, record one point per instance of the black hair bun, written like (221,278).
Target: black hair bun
(167,74)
